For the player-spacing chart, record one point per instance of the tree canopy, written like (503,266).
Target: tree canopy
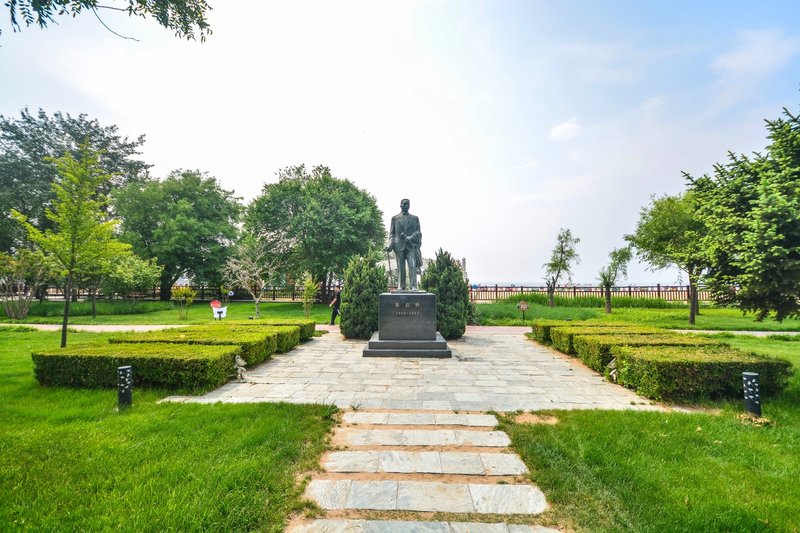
(186,222)
(617,268)
(186,18)
(563,257)
(327,221)
(82,236)
(28,146)
(751,207)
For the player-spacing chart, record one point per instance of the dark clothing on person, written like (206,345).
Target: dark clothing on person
(337,299)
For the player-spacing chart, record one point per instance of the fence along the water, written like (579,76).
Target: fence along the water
(481,293)
(672,293)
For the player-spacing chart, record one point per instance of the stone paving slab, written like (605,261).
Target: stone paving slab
(398,526)
(431,437)
(400,462)
(420,419)
(424,496)
(489,371)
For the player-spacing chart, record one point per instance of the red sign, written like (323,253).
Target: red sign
(216,303)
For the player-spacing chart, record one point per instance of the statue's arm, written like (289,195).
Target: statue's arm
(390,243)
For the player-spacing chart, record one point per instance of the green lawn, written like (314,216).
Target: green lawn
(199,313)
(628,471)
(70,462)
(709,318)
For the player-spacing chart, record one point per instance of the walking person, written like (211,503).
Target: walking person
(334,305)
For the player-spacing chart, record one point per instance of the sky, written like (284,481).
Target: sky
(502,121)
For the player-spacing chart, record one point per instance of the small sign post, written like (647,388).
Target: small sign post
(522,306)
(124,387)
(752,395)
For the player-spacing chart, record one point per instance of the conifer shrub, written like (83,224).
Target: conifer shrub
(363,284)
(445,279)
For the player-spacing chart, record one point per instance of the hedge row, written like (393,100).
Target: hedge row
(563,338)
(541,328)
(595,350)
(689,373)
(659,364)
(174,366)
(307,327)
(257,343)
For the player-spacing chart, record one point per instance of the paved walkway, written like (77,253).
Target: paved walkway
(490,370)
(403,464)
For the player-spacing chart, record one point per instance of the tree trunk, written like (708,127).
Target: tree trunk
(93,296)
(692,298)
(65,319)
(258,308)
(165,289)
(607,293)
(551,297)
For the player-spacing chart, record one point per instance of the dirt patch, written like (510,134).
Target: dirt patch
(530,418)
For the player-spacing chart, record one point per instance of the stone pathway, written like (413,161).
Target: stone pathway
(490,371)
(413,463)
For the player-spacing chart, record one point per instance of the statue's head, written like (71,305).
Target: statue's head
(404,205)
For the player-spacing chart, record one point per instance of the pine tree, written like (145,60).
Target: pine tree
(363,284)
(445,279)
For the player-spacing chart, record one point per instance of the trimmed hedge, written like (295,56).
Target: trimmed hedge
(595,350)
(255,344)
(686,373)
(541,328)
(307,327)
(562,338)
(173,366)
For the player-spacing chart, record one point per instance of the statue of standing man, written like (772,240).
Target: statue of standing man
(405,239)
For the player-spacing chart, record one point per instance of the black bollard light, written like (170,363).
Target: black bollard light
(752,396)
(124,386)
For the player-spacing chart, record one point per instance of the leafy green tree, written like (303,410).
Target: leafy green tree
(670,234)
(28,146)
(751,207)
(184,17)
(183,297)
(562,259)
(20,276)
(254,266)
(327,220)
(445,279)
(363,284)
(616,268)
(82,235)
(131,276)
(185,222)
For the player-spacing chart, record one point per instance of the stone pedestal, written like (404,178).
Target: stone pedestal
(407,327)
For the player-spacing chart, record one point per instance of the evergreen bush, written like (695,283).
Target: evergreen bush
(445,279)
(363,284)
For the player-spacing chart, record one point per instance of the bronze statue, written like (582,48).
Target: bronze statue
(405,238)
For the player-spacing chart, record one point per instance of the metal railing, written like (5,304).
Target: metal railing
(477,293)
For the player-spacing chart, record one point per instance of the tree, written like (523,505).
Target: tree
(751,207)
(363,284)
(669,234)
(445,279)
(327,221)
(184,17)
(20,276)
(185,222)
(27,168)
(563,257)
(131,276)
(254,266)
(616,268)
(82,235)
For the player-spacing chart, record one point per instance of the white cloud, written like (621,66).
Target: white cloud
(758,54)
(566,130)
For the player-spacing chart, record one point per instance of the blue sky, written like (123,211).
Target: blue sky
(501,121)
